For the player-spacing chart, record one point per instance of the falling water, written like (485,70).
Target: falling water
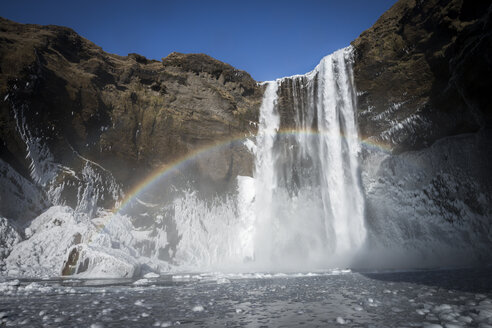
(303,208)
(309,204)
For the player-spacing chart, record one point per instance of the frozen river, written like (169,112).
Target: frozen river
(444,298)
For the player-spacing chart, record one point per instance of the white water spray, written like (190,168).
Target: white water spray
(304,207)
(309,203)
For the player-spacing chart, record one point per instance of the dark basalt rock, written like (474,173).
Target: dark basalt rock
(126,116)
(70,266)
(224,73)
(423,72)
(425,65)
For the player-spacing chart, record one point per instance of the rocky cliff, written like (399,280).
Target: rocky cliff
(423,72)
(77,122)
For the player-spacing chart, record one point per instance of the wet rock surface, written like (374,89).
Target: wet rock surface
(447,298)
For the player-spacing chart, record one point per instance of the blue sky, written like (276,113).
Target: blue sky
(268,39)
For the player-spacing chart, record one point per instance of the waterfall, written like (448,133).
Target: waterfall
(303,208)
(309,204)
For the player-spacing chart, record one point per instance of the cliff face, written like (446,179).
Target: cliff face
(71,113)
(423,71)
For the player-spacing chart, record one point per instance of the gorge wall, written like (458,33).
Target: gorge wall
(422,73)
(80,127)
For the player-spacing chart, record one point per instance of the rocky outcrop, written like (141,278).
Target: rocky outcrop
(80,123)
(423,72)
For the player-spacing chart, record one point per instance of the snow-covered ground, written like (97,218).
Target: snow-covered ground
(61,240)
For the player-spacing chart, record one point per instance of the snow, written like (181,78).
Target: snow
(151,275)
(50,235)
(341,321)
(109,252)
(223,280)
(43,169)
(399,130)
(145,203)
(95,182)
(388,112)
(104,262)
(198,308)
(9,237)
(211,237)
(92,182)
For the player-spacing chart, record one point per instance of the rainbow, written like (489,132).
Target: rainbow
(175,167)
(178,164)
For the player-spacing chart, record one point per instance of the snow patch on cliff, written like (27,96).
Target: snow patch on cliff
(83,189)
(399,131)
(43,169)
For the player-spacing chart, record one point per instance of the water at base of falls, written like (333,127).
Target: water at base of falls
(304,207)
(458,298)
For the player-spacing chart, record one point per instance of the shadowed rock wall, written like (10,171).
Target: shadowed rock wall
(423,71)
(66,105)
